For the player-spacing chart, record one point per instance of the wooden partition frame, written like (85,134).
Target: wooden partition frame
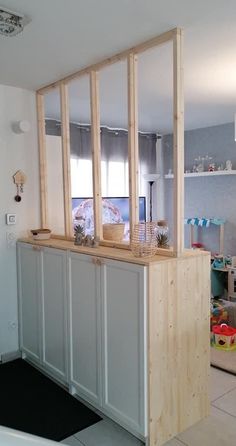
(176,37)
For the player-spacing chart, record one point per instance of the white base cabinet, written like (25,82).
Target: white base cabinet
(42,284)
(97,307)
(29,291)
(108,337)
(124,343)
(85,327)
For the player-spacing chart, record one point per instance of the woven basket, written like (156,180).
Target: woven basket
(113,231)
(144,243)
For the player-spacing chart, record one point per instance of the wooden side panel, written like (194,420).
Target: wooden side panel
(179,297)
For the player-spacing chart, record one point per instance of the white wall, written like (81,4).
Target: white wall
(17,151)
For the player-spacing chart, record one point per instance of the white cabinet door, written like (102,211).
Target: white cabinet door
(85,331)
(54,312)
(29,289)
(123,346)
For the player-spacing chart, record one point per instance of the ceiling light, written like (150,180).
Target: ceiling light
(11,23)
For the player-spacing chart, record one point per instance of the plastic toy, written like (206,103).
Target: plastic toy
(224,337)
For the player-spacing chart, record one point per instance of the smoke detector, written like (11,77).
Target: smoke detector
(11,23)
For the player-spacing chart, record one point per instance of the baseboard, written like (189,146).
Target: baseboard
(10,356)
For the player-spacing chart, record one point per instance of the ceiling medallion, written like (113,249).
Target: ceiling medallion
(11,23)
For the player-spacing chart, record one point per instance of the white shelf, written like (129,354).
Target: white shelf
(205,174)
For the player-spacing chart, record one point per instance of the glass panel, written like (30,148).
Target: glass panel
(155,111)
(81,155)
(54,162)
(114,151)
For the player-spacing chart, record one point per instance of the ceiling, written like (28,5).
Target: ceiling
(66,35)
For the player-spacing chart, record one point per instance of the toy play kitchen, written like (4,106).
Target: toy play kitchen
(224,337)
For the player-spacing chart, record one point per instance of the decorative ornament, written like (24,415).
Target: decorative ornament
(228,165)
(211,167)
(19,179)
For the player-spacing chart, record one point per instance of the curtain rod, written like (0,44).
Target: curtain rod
(111,129)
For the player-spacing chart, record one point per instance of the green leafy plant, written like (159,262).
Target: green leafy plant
(162,241)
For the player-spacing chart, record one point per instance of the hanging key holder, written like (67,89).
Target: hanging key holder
(19,179)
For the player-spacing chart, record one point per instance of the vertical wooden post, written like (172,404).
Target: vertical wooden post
(42,160)
(96,153)
(222,236)
(192,232)
(133,141)
(65,135)
(178,143)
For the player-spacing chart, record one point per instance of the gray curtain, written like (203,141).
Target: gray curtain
(114,146)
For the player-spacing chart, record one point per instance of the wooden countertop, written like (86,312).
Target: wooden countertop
(124,255)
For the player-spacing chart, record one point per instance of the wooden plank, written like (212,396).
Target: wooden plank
(133,153)
(65,135)
(42,160)
(96,153)
(106,251)
(155,41)
(179,348)
(178,143)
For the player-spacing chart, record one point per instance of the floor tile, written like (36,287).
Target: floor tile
(72,441)
(174,442)
(219,429)
(221,383)
(227,403)
(107,433)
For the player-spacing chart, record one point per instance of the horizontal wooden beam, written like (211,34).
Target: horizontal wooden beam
(140,48)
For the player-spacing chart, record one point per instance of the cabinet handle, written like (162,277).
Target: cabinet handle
(97,261)
(37,248)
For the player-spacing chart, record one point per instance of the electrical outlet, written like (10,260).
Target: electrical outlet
(11,239)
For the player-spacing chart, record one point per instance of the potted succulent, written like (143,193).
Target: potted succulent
(162,234)
(79,235)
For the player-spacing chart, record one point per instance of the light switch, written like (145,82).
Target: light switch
(10,219)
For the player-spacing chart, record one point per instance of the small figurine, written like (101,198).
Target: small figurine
(88,240)
(200,167)
(228,165)
(211,167)
(95,242)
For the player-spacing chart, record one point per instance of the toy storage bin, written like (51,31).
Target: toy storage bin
(224,337)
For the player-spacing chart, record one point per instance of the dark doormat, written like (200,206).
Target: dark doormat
(32,403)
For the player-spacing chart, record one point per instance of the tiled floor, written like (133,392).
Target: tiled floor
(219,429)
